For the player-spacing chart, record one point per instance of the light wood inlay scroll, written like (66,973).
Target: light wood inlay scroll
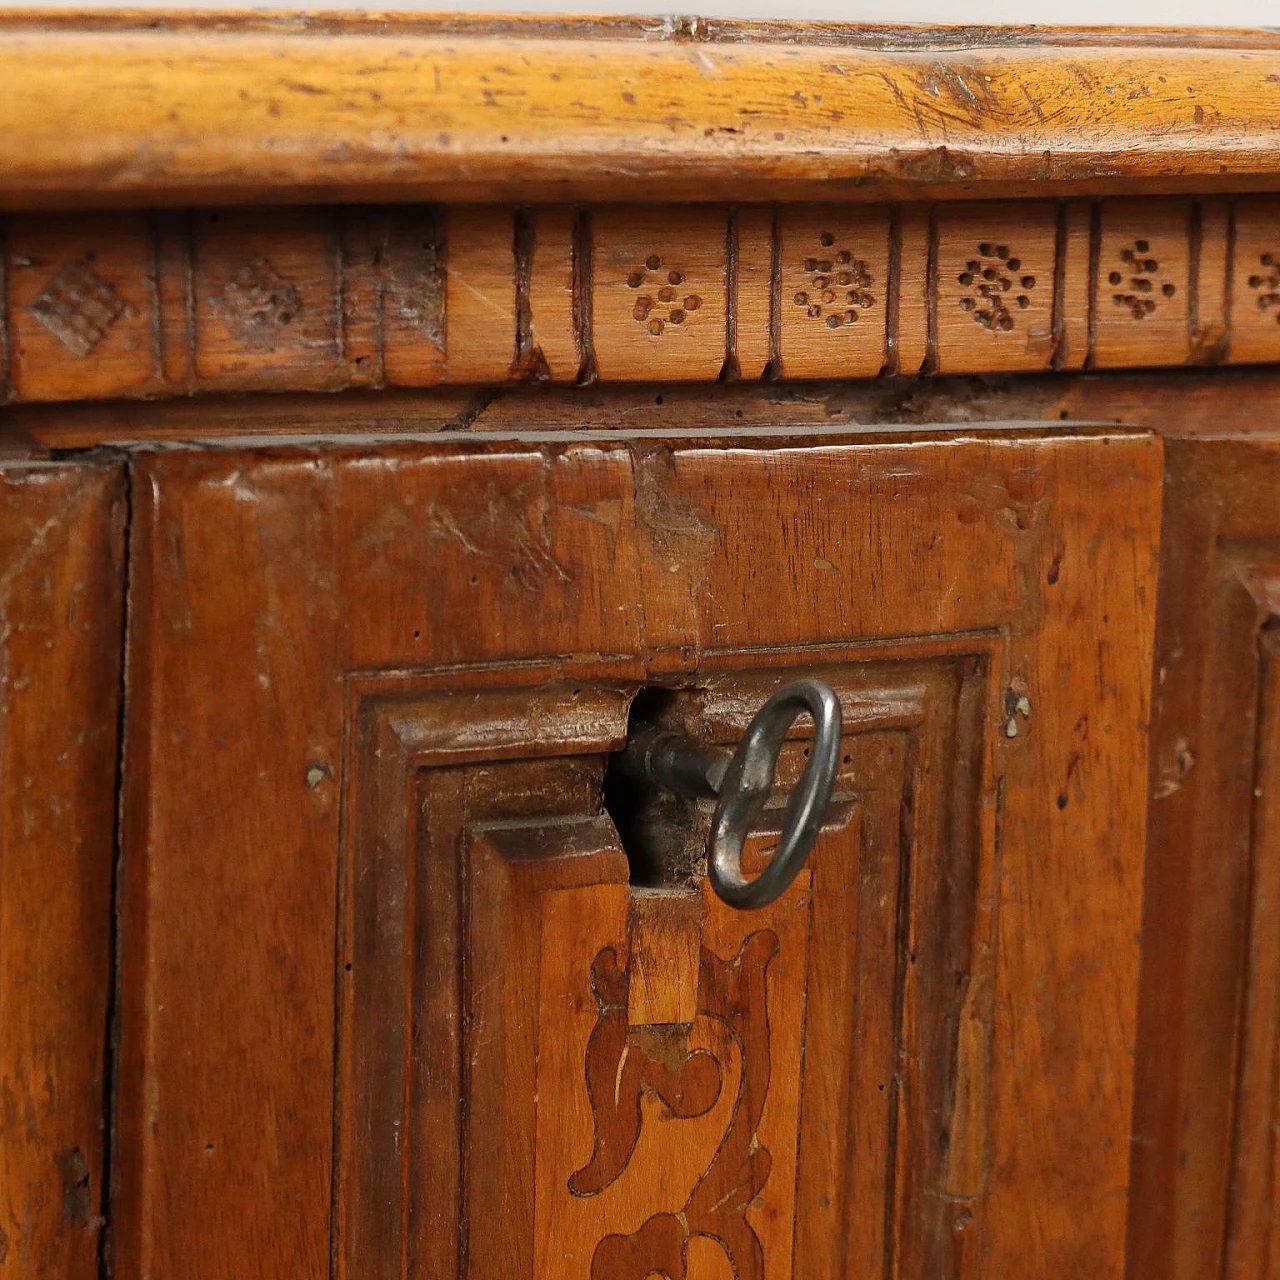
(329,298)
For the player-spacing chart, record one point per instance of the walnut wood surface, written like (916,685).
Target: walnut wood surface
(272,915)
(327,299)
(117,111)
(61,606)
(1204,1200)
(1182,403)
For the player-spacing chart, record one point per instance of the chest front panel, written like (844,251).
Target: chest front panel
(499,1044)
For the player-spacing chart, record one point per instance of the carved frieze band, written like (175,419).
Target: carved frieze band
(328,298)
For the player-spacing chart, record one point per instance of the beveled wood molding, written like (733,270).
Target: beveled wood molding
(335,298)
(154,109)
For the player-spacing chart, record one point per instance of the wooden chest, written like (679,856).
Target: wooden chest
(403,417)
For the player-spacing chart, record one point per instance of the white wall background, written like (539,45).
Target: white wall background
(1169,13)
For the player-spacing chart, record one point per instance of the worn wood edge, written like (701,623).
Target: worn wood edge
(63,580)
(674,26)
(130,113)
(1190,403)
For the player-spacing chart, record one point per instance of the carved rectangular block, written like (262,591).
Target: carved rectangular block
(1143,284)
(552,349)
(267,300)
(912,312)
(412,297)
(665,928)
(658,292)
(995,286)
(757,303)
(835,266)
(82,307)
(1072,295)
(480,294)
(1255,281)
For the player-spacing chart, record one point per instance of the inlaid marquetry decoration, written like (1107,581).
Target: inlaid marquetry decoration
(123,304)
(675,1139)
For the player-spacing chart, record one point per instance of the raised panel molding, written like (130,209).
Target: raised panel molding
(1254,1239)
(829,1051)
(1253,1221)
(1207,1109)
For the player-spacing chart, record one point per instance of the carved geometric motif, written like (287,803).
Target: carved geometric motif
(839,285)
(833,273)
(636,294)
(673,304)
(78,306)
(1144,295)
(1137,283)
(995,273)
(256,303)
(654,301)
(997,287)
(1255,280)
(1265,285)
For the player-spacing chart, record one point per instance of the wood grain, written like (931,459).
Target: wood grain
(244,110)
(990,591)
(1203,1196)
(62,603)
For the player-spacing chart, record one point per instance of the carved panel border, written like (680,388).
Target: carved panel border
(1253,1241)
(465,785)
(325,298)
(1206,1102)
